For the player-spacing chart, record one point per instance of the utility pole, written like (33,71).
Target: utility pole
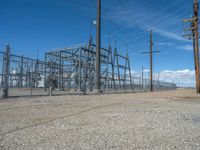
(195,65)
(196,24)
(195,37)
(98,47)
(151,60)
(6,71)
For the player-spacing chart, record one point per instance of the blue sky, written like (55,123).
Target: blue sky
(31,25)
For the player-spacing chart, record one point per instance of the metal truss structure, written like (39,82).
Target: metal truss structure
(74,68)
(71,69)
(20,72)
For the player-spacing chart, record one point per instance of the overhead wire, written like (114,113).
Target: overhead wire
(163,22)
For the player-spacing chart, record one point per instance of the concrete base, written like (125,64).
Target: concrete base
(80,91)
(73,91)
(96,91)
(60,89)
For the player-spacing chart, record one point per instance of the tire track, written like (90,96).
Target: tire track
(57,118)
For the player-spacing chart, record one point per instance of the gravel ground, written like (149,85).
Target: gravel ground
(162,120)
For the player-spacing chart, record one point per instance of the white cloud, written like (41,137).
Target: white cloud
(180,77)
(146,70)
(165,44)
(185,77)
(138,73)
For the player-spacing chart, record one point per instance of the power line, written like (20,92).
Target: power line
(161,19)
(152,14)
(151,60)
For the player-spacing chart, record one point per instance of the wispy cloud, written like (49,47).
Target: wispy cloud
(131,18)
(170,35)
(186,47)
(165,44)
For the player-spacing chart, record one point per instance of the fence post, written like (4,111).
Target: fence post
(50,90)
(80,70)
(85,79)
(31,83)
(21,73)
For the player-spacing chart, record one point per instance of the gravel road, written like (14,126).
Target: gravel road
(161,120)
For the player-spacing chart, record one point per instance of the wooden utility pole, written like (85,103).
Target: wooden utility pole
(196,24)
(98,47)
(195,37)
(195,61)
(151,60)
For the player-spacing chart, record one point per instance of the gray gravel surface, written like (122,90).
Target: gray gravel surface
(163,120)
